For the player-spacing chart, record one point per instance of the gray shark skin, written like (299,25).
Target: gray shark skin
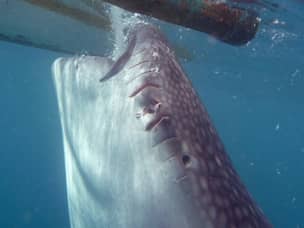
(140,149)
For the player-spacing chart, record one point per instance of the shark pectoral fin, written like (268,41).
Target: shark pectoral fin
(121,61)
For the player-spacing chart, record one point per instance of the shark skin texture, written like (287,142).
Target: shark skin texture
(140,148)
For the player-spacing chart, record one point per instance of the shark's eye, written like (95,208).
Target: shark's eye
(186,160)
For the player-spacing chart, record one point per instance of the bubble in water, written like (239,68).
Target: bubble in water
(277,127)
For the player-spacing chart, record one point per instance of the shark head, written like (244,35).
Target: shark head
(140,149)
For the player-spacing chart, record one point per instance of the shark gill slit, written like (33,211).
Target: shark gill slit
(138,64)
(140,75)
(159,120)
(156,122)
(139,52)
(144,86)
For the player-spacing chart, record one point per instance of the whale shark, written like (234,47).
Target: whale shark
(140,148)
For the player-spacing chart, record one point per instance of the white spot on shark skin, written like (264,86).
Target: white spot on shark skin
(218,161)
(155,54)
(212,212)
(155,69)
(204,183)
(238,213)
(218,201)
(206,198)
(203,214)
(222,219)
(208,224)
(245,211)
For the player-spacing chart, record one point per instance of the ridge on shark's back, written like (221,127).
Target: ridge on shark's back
(140,149)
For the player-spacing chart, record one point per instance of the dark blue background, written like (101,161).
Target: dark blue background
(32,186)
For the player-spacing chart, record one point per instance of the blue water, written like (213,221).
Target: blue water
(254,94)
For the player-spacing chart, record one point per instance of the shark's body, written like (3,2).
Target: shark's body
(140,149)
